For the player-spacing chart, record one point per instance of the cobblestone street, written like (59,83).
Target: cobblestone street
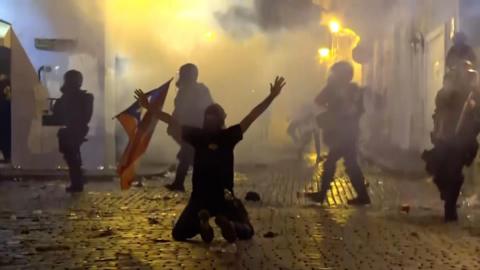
(104,228)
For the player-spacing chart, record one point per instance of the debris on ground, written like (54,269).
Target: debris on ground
(405,208)
(72,216)
(106,259)
(51,248)
(471,201)
(161,198)
(161,240)
(415,234)
(270,235)
(153,221)
(138,183)
(229,248)
(168,173)
(105,233)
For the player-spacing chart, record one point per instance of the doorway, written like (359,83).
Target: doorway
(435,63)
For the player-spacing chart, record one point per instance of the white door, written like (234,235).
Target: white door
(435,65)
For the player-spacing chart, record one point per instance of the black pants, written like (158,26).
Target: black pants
(188,224)
(185,161)
(5,132)
(349,154)
(5,143)
(449,160)
(69,141)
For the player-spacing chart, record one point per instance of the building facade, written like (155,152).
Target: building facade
(406,71)
(39,31)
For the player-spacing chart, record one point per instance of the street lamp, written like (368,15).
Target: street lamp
(335,29)
(334,26)
(324,53)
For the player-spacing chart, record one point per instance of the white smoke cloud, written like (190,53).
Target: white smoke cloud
(241,20)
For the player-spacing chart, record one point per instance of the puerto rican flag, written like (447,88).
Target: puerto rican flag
(139,131)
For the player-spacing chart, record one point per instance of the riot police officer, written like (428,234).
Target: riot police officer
(190,103)
(5,118)
(343,101)
(456,127)
(74,110)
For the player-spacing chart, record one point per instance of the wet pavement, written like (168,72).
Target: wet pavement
(41,227)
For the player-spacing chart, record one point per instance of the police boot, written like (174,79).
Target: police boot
(76,181)
(450,212)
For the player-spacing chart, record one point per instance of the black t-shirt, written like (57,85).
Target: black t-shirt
(214,161)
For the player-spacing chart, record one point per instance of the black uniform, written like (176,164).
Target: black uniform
(340,124)
(213,173)
(5,119)
(452,150)
(75,109)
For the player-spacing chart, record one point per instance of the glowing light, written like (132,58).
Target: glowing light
(184,23)
(210,36)
(310,158)
(334,26)
(324,52)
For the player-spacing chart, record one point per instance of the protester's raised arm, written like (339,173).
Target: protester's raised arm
(174,128)
(275,90)
(143,101)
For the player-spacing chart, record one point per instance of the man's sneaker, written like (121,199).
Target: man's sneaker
(175,187)
(359,201)
(72,189)
(227,228)
(206,231)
